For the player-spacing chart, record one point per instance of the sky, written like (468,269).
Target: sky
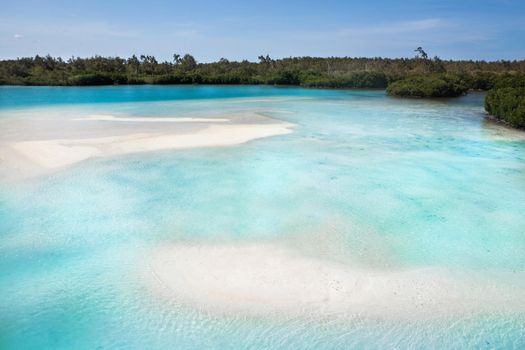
(236,30)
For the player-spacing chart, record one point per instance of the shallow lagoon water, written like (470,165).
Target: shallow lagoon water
(363,179)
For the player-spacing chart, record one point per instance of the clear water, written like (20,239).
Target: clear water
(392,183)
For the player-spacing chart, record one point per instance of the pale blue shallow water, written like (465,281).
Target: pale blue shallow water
(395,183)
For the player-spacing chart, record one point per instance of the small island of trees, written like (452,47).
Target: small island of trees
(428,86)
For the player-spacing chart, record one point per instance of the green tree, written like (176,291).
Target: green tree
(188,63)
(421,53)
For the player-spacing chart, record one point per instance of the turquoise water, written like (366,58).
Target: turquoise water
(388,183)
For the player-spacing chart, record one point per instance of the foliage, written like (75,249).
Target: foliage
(507,104)
(366,80)
(428,86)
(96,79)
(332,72)
(510,80)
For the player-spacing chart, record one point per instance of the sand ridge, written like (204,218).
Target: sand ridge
(266,279)
(110,135)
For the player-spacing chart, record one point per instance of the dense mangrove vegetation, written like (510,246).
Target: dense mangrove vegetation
(429,86)
(508,105)
(331,72)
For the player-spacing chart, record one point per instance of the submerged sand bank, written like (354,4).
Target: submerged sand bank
(262,279)
(31,146)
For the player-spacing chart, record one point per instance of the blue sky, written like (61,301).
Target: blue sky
(459,29)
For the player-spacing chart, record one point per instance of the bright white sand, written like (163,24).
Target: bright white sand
(262,279)
(61,152)
(31,143)
(101,117)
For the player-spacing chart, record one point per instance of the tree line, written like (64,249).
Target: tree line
(332,72)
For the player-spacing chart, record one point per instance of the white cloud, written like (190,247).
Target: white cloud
(18,36)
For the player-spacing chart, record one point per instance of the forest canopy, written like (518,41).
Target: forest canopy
(332,72)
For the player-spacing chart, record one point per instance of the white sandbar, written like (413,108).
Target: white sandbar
(62,152)
(262,279)
(31,147)
(102,117)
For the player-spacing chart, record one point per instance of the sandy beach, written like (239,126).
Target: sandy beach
(107,135)
(269,279)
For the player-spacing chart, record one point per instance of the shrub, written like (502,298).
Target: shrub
(91,79)
(170,79)
(357,80)
(510,81)
(428,86)
(286,77)
(482,80)
(134,80)
(508,105)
